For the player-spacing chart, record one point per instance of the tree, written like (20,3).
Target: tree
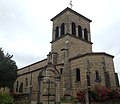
(8,70)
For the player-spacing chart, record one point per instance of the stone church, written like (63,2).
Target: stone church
(70,66)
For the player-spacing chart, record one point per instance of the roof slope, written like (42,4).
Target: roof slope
(69,9)
(91,54)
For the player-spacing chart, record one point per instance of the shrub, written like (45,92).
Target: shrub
(80,96)
(6,99)
(100,94)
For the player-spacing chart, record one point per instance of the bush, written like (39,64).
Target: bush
(100,94)
(105,94)
(6,99)
(80,96)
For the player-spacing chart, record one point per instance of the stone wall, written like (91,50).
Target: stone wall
(95,63)
(108,102)
(21,99)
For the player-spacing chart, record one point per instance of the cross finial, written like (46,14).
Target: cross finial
(71,4)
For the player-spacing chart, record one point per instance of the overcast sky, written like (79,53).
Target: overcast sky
(26,29)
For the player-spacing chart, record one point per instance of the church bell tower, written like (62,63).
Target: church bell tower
(70,37)
(73,28)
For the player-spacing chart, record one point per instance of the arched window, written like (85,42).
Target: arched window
(77,74)
(73,28)
(21,88)
(26,82)
(97,76)
(56,32)
(85,34)
(17,85)
(79,31)
(62,29)
(61,70)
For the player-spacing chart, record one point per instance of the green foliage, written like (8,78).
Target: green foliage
(100,94)
(8,70)
(6,99)
(64,99)
(104,94)
(80,96)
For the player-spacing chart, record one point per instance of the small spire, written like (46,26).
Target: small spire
(71,4)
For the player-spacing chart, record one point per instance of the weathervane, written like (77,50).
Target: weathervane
(71,4)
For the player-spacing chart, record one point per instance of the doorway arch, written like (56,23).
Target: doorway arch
(49,85)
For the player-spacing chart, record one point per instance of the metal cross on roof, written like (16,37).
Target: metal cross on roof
(71,4)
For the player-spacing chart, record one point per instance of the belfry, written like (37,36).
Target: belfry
(71,65)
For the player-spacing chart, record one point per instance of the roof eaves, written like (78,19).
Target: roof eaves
(97,53)
(32,64)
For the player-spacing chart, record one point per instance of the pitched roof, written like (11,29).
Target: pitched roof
(90,54)
(69,9)
(33,64)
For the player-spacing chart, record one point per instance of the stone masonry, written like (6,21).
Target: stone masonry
(71,54)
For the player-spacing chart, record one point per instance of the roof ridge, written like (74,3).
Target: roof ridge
(71,10)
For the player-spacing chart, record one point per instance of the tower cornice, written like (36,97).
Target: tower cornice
(70,36)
